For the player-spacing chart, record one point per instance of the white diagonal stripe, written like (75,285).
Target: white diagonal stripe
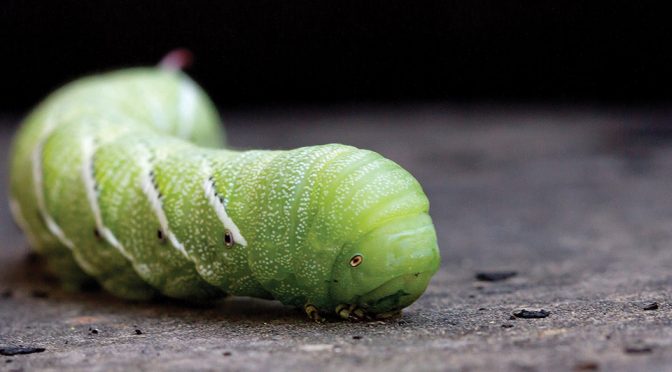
(52,226)
(216,204)
(88,176)
(149,189)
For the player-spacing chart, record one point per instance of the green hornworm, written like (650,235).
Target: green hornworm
(117,177)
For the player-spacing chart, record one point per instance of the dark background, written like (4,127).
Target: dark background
(251,53)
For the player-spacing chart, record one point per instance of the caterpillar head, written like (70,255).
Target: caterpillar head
(387,269)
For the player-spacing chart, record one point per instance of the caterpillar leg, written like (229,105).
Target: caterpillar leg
(313,312)
(351,312)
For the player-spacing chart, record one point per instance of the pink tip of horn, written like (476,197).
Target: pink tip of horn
(177,59)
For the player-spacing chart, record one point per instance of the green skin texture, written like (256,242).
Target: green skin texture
(304,213)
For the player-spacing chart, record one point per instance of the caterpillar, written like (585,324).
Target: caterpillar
(123,177)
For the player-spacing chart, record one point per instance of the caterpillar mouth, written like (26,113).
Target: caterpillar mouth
(387,299)
(395,294)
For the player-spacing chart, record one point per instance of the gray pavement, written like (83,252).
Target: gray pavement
(577,201)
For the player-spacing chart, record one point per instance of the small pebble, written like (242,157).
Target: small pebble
(531,314)
(357,337)
(638,348)
(507,325)
(19,350)
(495,276)
(138,332)
(93,331)
(650,306)
(587,366)
(227,353)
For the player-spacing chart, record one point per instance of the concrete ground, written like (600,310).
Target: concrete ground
(578,202)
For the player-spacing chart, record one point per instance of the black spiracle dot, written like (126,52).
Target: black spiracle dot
(159,234)
(228,238)
(96,233)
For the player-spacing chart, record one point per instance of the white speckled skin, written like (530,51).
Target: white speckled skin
(114,177)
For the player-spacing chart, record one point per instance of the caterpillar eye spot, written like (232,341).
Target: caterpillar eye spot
(228,239)
(356,260)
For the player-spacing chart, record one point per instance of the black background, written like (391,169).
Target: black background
(317,52)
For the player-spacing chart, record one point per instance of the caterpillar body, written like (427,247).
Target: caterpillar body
(119,177)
